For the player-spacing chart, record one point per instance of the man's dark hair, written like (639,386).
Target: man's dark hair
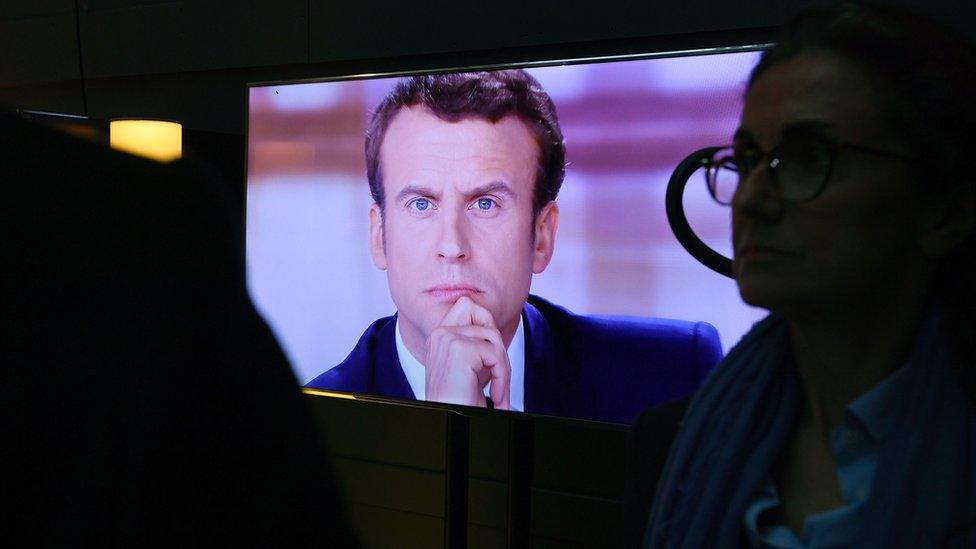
(489,95)
(927,77)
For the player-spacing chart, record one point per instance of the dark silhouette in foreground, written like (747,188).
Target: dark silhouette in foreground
(845,418)
(125,298)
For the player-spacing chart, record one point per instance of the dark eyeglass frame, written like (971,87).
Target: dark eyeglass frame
(772,161)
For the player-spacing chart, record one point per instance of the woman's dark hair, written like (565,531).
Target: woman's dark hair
(928,74)
(489,95)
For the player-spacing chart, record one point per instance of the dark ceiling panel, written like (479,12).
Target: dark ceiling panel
(97,5)
(35,8)
(190,49)
(38,49)
(137,40)
(254,33)
(377,29)
(193,36)
(345,30)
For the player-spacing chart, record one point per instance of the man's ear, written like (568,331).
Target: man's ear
(947,222)
(377,244)
(544,226)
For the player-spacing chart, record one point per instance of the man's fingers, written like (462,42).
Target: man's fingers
(475,346)
(462,359)
(458,314)
(465,312)
(482,333)
(501,377)
(444,334)
(480,348)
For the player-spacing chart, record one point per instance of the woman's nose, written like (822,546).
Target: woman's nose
(756,194)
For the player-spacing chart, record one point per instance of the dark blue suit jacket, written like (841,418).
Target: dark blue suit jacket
(602,368)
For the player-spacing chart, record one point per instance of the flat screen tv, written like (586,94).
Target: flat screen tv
(365,299)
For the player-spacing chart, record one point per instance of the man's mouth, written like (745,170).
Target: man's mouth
(450,293)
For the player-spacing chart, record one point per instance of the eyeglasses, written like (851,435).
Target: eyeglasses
(798,168)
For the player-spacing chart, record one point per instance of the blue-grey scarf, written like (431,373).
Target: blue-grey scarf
(924,490)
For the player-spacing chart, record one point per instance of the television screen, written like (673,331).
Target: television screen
(402,239)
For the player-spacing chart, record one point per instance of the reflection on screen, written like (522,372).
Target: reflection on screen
(626,126)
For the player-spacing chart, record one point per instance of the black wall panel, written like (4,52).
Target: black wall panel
(128,38)
(157,56)
(38,43)
(351,30)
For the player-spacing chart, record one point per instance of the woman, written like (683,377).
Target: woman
(846,417)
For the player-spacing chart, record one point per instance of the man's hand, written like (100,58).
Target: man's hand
(464,353)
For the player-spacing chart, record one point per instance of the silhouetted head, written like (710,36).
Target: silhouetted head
(855,138)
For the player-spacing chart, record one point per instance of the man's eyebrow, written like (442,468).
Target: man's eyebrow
(495,187)
(412,190)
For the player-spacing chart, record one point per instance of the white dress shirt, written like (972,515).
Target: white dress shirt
(416,372)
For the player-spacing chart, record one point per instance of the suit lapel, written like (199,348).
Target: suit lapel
(388,377)
(542,395)
(553,383)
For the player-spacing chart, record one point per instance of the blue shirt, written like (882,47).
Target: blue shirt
(856,444)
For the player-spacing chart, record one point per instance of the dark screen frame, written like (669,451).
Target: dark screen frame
(543,55)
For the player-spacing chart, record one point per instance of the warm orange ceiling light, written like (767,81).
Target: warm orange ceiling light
(155,139)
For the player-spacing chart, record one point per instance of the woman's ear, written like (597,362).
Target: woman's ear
(545,225)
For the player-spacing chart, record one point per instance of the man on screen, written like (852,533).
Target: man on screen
(464,170)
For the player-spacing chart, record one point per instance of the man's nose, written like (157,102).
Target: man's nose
(756,195)
(453,244)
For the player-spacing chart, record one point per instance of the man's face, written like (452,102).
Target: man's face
(457,218)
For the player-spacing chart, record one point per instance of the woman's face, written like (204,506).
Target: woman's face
(857,238)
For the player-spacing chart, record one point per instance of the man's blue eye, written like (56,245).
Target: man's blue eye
(421,204)
(485,203)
